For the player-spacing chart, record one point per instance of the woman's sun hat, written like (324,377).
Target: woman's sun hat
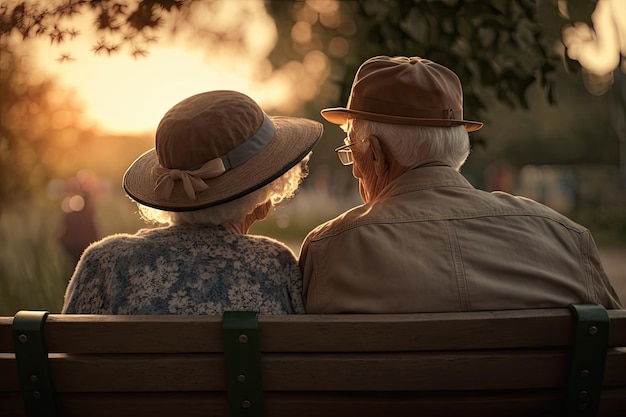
(402,90)
(215,147)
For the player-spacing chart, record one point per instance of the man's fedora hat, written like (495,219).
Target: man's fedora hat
(215,147)
(402,90)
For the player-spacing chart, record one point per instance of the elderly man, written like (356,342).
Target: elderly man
(426,240)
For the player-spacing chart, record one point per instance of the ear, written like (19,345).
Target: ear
(380,163)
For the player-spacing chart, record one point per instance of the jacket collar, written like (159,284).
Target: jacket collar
(423,177)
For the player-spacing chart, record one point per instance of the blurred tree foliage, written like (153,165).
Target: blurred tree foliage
(495,45)
(37,127)
(118,23)
(18,161)
(131,25)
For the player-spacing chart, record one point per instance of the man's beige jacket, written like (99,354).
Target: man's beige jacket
(432,242)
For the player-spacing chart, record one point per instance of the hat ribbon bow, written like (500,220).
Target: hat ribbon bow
(192,179)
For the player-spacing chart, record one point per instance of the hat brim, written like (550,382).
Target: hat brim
(339,116)
(294,139)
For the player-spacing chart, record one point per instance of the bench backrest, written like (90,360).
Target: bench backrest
(501,363)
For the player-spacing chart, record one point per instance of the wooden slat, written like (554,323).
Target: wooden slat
(345,372)
(340,333)
(434,404)
(130,334)
(11,404)
(6,336)
(505,403)
(420,371)
(615,368)
(412,332)
(613,403)
(480,370)
(181,404)
(8,373)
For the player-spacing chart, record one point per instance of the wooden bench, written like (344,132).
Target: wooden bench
(547,362)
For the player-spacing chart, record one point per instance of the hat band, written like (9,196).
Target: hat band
(193,179)
(369,105)
(252,146)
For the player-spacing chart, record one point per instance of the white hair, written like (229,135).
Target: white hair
(414,145)
(282,188)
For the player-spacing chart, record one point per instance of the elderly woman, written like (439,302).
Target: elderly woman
(219,165)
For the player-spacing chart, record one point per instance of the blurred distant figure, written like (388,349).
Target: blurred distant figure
(78,228)
(219,165)
(426,240)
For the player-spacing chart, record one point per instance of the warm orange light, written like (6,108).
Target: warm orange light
(301,32)
(126,95)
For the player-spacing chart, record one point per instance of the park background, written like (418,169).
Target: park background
(83,85)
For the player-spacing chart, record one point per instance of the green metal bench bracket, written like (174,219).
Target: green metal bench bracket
(591,335)
(242,349)
(32,363)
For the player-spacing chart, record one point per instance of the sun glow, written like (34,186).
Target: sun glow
(122,94)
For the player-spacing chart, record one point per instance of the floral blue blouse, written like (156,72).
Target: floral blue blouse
(185,270)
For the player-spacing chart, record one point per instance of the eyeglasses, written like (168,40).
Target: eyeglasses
(345,153)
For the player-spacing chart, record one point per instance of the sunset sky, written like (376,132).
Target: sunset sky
(127,95)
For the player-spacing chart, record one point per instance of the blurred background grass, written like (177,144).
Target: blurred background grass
(34,267)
